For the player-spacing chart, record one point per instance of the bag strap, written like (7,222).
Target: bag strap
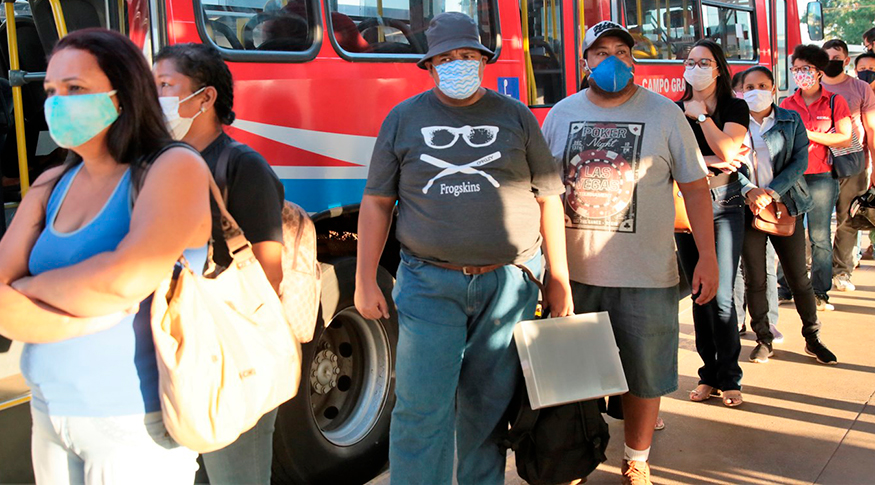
(147,163)
(223,168)
(832,111)
(524,423)
(231,231)
(592,418)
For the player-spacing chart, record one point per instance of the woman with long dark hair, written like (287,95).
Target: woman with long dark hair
(719,121)
(780,151)
(89,244)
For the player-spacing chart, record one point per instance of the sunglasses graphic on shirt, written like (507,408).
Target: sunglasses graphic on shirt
(442,137)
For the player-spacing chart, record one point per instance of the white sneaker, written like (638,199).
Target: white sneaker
(777,336)
(842,282)
(823,305)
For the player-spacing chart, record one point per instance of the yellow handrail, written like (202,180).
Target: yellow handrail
(531,88)
(58,14)
(17,100)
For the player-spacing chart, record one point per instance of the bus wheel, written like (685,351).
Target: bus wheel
(336,430)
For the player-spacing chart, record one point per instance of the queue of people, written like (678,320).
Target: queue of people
(94,237)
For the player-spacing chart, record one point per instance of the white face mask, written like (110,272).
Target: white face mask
(700,79)
(758,100)
(178,125)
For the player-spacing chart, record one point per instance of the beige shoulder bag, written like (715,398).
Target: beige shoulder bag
(226,354)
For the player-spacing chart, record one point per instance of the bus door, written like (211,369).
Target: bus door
(549,30)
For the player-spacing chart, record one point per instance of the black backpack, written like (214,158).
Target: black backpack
(556,444)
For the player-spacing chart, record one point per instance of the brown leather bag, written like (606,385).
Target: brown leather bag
(776,220)
(681,221)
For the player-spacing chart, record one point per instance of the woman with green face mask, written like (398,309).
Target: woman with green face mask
(89,244)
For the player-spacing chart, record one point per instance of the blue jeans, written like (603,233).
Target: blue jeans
(716,322)
(456,370)
(824,192)
(771,287)
(246,460)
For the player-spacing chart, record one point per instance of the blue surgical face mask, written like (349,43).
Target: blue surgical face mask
(73,120)
(611,75)
(459,79)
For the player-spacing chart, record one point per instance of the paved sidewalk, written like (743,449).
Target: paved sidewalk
(802,422)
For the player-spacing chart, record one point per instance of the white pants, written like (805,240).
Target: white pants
(133,449)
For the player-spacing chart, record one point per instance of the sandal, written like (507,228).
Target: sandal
(660,424)
(732,399)
(703,392)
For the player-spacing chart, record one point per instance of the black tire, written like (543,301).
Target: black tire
(315,444)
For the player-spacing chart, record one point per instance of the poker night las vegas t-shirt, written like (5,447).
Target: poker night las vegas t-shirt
(618,165)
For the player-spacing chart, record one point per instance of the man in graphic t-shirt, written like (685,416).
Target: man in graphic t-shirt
(620,147)
(861,101)
(477,193)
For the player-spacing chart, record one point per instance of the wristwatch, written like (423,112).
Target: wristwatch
(701,119)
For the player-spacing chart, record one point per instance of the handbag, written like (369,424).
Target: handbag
(226,354)
(301,287)
(847,161)
(775,219)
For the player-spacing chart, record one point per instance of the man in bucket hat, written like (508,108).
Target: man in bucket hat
(620,147)
(478,194)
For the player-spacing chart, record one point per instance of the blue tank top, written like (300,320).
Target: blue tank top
(110,373)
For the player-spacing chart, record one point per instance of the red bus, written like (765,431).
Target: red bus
(314,80)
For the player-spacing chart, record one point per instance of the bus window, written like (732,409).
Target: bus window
(732,29)
(662,29)
(375,29)
(545,47)
(255,25)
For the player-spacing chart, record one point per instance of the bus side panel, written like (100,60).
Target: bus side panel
(316,122)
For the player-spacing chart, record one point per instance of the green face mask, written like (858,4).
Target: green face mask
(73,120)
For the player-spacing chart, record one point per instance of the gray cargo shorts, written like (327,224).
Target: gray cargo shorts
(645,323)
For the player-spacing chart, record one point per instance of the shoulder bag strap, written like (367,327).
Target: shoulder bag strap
(135,189)
(832,111)
(223,168)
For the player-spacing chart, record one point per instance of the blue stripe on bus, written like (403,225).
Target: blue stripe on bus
(317,195)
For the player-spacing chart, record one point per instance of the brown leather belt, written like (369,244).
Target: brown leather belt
(468,270)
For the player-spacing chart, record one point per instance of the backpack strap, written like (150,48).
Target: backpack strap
(223,168)
(523,423)
(592,423)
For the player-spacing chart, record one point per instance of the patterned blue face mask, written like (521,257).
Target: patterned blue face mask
(459,79)
(611,75)
(73,120)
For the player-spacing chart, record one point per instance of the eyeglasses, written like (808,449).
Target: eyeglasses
(804,69)
(440,137)
(703,63)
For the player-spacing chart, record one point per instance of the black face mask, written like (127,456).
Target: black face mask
(867,76)
(834,68)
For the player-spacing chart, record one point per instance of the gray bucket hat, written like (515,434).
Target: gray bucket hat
(449,31)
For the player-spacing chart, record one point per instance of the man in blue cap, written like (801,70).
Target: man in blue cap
(478,194)
(620,147)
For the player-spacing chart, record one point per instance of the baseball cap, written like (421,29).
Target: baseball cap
(606,27)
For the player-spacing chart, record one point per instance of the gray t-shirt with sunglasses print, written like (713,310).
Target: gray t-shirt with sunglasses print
(465,178)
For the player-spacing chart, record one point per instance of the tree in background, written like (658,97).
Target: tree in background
(848,19)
